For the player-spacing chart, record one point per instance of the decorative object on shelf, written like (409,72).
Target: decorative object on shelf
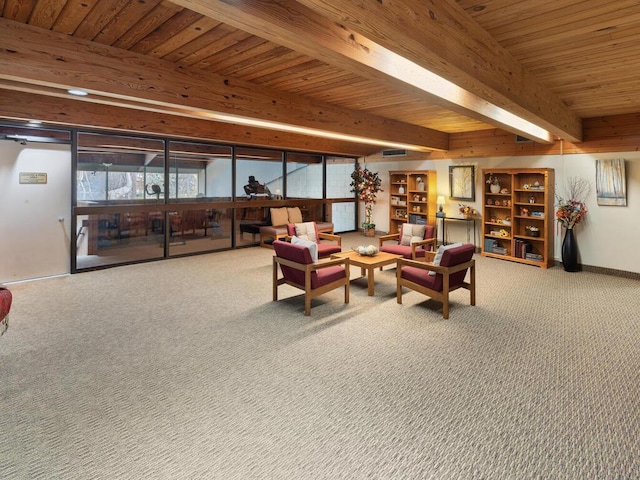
(420,184)
(401,190)
(366,184)
(440,202)
(462,182)
(504,191)
(467,211)
(532,199)
(494,183)
(570,213)
(366,250)
(532,231)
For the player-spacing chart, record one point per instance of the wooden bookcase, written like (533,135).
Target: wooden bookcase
(518,218)
(412,199)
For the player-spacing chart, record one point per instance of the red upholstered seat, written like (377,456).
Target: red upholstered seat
(5,305)
(449,275)
(299,270)
(325,250)
(411,250)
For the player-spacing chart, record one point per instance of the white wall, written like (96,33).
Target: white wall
(34,243)
(605,239)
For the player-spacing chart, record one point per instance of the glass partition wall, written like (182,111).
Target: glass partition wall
(140,199)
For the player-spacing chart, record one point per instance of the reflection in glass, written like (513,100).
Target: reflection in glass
(203,230)
(200,171)
(343,215)
(339,171)
(258,167)
(118,170)
(115,238)
(304,175)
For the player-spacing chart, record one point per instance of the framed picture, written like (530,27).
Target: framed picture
(611,188)
(462,182)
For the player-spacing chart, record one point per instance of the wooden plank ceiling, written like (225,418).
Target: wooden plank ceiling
(325,65)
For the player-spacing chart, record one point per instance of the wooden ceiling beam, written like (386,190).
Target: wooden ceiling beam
(19,106)
(363,36)
(131,80)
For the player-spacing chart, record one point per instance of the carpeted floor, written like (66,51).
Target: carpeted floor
(185,369)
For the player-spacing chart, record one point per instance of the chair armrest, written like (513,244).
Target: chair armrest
(324,263)
(426,241)
(391,236)
(436,268)
(330,262)
(331,237)
(419,243)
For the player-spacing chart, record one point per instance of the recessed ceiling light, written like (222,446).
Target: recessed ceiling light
(77,92)
(34,122)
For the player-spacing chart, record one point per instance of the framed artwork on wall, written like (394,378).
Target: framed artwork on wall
(462,182)
(611,187)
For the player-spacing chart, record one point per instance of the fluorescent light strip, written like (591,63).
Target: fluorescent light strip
(403,69)
(252,122)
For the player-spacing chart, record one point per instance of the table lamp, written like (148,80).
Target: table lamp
(440,202)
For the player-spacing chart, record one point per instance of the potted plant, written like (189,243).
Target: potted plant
(366,184)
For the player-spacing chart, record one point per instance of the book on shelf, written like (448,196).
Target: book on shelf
(417,219)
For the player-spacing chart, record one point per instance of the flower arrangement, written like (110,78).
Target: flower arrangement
(467,211)
(366,184)
(571,211)
(492,179)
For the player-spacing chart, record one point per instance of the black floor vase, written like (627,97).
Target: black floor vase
(570,251)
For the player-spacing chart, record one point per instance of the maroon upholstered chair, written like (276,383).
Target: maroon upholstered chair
(309,231)
(448,275)
(299,270)
(411,241)
(5,307)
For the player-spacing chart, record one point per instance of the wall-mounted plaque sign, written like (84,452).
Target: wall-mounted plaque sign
(33,177)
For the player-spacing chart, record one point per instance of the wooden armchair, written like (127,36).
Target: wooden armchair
(447,276)
(299,270)
(309,231)
(5,306)
(412,241)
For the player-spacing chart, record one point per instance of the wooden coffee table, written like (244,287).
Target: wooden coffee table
(368,264)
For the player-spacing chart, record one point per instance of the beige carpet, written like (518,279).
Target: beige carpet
(185,369)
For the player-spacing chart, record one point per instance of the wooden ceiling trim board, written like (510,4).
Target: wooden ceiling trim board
(269,61)
(18,10)
(460,51)
(243,54)
(128,78)
(183,37)
(594,46)
(23,106)
(166,31)
(98,18)
(147,25)
(124,21)
(222,43)
(493,13)
(337,41)
(202,47)
(292,63)
(565,21)
(72,15)
(45,13)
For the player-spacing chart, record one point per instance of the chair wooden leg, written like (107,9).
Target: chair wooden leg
(275,281)
(472,287)
(445,306)
(307,305)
